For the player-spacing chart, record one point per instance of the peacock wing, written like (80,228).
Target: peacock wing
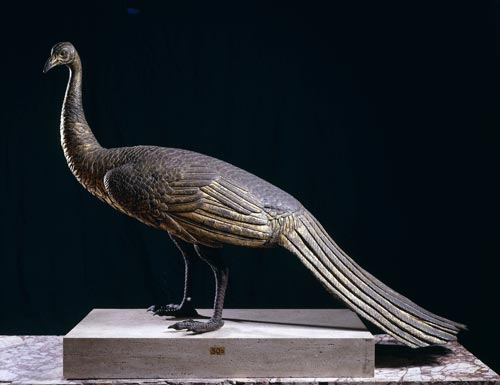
(194,202)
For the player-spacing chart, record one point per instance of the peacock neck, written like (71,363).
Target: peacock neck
(80,146)
(76,134)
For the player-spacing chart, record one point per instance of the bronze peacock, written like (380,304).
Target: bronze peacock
(204,203)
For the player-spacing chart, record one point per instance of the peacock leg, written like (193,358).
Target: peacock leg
(185,308)
(221,272)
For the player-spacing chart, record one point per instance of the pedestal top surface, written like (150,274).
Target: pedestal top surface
(239,323)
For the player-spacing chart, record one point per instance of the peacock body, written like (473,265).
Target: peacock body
(204,203)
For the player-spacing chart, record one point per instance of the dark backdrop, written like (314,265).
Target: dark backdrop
(381,118)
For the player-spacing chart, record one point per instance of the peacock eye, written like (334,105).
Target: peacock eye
(63,54)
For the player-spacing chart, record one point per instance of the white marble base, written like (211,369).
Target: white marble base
(132,343)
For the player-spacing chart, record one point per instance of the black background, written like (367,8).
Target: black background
(380,117)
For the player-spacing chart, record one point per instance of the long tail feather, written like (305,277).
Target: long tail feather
(365,294)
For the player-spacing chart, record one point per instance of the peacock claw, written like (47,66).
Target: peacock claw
(185,309)
(197,326)
(181,325)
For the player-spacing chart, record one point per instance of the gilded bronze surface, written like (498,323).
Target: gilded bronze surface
(203,203)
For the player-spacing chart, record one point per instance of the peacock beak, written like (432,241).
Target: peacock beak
(50,63)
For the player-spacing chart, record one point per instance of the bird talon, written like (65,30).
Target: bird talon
(197,326)
(185,309)
(182,325)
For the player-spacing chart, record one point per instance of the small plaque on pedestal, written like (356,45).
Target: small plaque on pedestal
(132,343)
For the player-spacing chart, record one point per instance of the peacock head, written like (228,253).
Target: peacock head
(62,53)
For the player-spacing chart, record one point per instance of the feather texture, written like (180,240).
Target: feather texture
(366,295)
(207,202)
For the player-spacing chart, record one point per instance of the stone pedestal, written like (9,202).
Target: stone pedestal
(253,343)
(37,360)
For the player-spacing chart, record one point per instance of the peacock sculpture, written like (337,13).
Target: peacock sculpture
(204,203)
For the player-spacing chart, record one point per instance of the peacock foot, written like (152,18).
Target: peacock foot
(185,309)
(197,326)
